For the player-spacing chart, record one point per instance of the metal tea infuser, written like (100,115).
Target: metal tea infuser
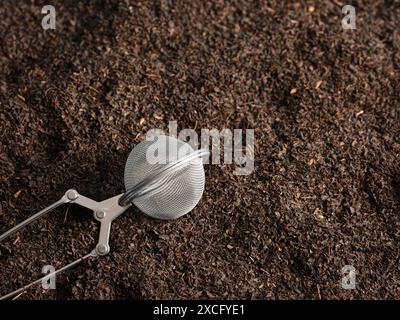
(165,188)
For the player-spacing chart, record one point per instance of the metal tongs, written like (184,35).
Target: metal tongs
(104,212)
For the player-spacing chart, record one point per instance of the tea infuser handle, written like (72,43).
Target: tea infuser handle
(104,212)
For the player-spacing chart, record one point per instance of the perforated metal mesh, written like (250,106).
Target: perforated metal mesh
(179,191)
